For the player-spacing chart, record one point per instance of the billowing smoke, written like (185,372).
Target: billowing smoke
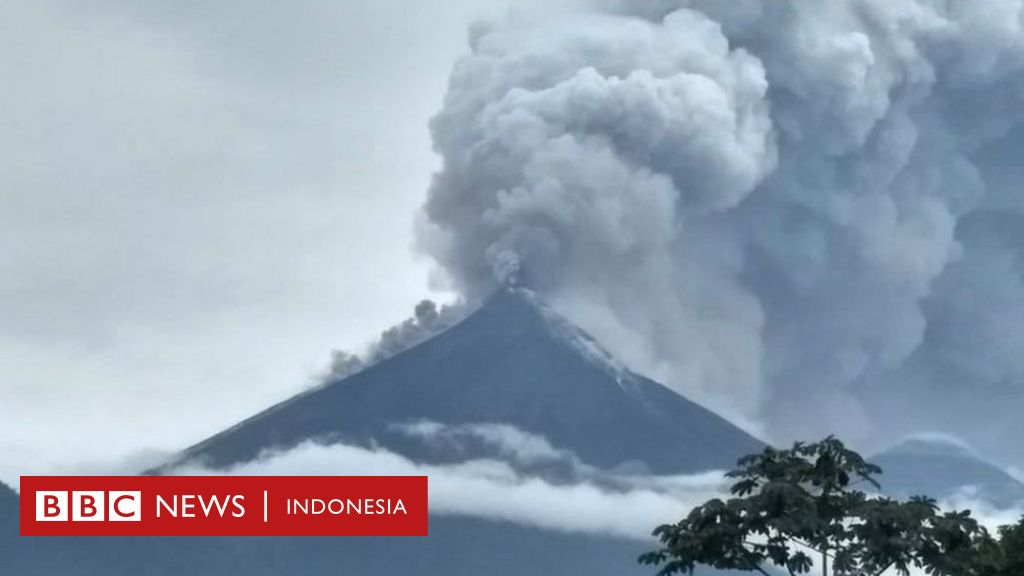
(427,320)
(788,210)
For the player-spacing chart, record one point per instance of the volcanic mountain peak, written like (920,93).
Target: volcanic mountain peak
(944,467)
(522,304)
(932,444)
(513,362)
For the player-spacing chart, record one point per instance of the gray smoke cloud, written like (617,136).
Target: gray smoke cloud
(428,320)
(793,211)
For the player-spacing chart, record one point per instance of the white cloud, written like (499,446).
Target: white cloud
(494,489)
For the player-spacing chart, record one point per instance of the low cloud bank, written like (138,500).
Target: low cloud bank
(595,501)
(492,488)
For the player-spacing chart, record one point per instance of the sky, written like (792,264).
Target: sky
(806,216)
(198,202)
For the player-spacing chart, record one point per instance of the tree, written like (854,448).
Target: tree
(1011,541)
(1003,556)
(792,508)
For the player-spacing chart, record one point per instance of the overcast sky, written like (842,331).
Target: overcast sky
(198,201)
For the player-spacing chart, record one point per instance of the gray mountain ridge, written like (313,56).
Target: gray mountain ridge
(941,469)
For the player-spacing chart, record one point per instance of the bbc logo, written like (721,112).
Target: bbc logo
(88,506)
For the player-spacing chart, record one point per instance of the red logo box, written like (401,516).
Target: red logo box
(223,505)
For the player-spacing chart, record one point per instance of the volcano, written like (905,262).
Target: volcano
(513,362)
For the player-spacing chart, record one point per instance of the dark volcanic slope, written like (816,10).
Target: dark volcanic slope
(455,547)
(8,511)
(938,469)
(511,362)
(25,556)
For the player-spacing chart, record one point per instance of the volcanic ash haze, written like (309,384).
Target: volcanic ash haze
(802,213)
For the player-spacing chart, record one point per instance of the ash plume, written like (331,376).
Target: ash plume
(427,320)
(796,212)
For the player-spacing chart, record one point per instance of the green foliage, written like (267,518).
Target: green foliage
(1011,541)
(793,507)
(1003,556)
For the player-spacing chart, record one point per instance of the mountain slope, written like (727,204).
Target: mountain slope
(456,546)
(940,469)
(512,362)
(8,512)
(31,556)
